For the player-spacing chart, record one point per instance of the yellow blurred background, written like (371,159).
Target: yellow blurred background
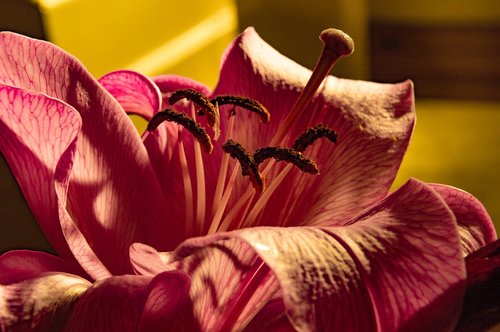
(449,48)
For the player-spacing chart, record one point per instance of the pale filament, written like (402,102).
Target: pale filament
(188,189)
(200,184)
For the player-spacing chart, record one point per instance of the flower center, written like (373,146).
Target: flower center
(244,211)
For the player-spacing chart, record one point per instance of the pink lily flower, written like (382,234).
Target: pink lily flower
(156,234)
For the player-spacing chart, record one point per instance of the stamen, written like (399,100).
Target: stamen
(241,207)
(188,189)
(200,186)
(312,134)
(182,119)
(286,154)
(337,44)
(247,103)
(216,221)
(199,100)
(247,162)
(221,179)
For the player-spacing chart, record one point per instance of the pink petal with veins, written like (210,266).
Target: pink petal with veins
(147,261)
(113,304)
(135,92)
(35,132)
(229,282)
(19,265)
(271,318)
(407,247)
(114,194)
(474,224)
(169,307)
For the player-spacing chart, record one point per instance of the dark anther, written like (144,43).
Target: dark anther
(199,100)
(247,103)
(286,154)
(180,118)
(247,162)
(312,134)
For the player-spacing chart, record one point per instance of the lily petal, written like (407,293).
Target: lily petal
(135,92)
(271,318)
(113,304)
(19,265)
(407,247)
(169,307)
(147,261)
(79,245)
(41,303)
(64,302)
(229,282)
(374,124)
(114,194)
(35,132)
(475,225)
(481,310)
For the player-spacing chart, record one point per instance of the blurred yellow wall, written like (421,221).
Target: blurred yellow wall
(152,36)
(456,142)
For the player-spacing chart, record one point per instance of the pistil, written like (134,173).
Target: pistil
(336,45)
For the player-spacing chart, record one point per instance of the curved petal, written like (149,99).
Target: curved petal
(396,267)
(374,123)
(19,265)
(79,245)
(475,225)
(481,310)
(483,263)
(147,261)
(229,282)
(271,318)
(135,92)
(35,132)
(41,303)
(169,307)
(57,302)
(113,304)
(114,194)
